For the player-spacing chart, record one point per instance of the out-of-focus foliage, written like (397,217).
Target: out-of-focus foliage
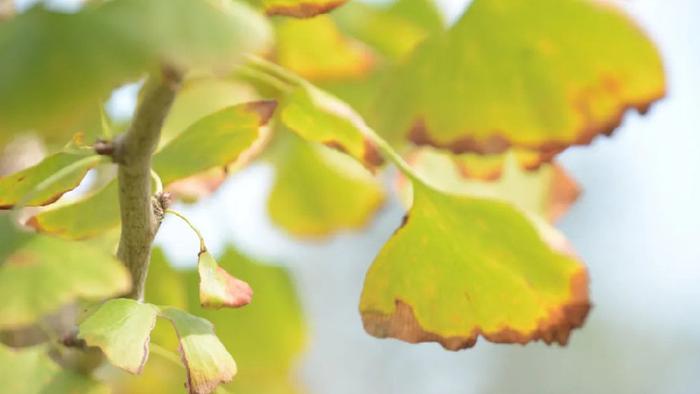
(299,8)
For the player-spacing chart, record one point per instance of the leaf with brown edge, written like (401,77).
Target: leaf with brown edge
(547,192)
(463,267)
(217,288)
(206,360)
(121,328)
(523,73)
(14,188)
(317,50)
(319,117)
(300,8)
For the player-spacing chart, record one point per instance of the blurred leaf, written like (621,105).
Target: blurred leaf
(547,192)
(66,64)
(215,140)
(315,49)
(23,184)
(39,274)
(121,328)
(317,192)
(217,288)
(205,357)
(462,267)
(541,74)
(31,371)
(82,219)
(300,8)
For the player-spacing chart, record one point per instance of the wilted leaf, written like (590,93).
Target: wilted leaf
(300,8)
(205,357)
(536,74)
(61,63)
(317,192)
(14,188)
(121,328)
(315,49)
(462,267)
(82,219)
(319,117)
(31,371)
(217,288)
(40,274)
(547,192)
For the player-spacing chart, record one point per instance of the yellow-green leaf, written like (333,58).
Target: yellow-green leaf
(14,188)
(39,274)
(32,371)
(217,288)
(537,74)
(207,361)
(317,191)
(121,328)
(315,49)
(463,267)
(300,8)
(65,64)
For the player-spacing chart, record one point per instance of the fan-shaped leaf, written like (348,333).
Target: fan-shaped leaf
(300,8)
(217,288)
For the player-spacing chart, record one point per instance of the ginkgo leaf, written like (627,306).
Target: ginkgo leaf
(319,117)
(81,219)
(217,288)
(462,267)
(16,187)
(547,192)
(65,68)
(317,191)
(32,371)
(215,140)
(300,8)
(121,328)
(315,49)
(39,274)
(207,361)
(536,74)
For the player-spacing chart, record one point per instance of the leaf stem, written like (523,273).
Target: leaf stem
(202,245)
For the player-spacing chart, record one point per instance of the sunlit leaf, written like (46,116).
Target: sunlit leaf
(315,49)
(14,188)
(317,192)
(32,371)
(462,267)
(61,63)
(547,192)
(205,357)
(40,274)
(217,288)
(300,8)
(537,74)
(121,328)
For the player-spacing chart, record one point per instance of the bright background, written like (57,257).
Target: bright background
(635,226)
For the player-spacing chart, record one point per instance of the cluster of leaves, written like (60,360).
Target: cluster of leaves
(471,115)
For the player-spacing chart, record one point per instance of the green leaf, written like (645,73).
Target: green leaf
(462,267)
(300,8)
(39,274)
(121,328)
(217,288)
(536,74)
(205,357)
(32,371)
(23,184)
(315,49)
(317,191)
(66,64)
(82,219)
(319,117)
(215,140)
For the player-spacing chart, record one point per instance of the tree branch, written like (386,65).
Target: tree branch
(133,151)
